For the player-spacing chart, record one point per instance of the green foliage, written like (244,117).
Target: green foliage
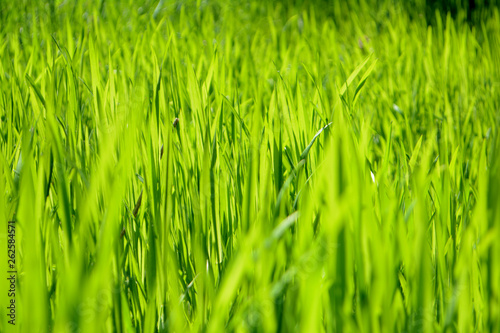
(250,166)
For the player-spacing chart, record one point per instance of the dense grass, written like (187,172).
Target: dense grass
(330,170)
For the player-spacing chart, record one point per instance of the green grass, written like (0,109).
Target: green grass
(332,168)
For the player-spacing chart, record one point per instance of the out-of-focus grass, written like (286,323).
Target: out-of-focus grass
(330,170)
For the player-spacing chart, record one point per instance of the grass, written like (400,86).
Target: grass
(245,166)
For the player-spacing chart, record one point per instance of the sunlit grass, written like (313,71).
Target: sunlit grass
(250,167)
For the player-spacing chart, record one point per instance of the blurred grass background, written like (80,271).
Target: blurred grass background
(334,166)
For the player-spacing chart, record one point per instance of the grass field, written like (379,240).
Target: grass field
(248,166)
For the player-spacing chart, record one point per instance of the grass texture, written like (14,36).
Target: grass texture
(250,167)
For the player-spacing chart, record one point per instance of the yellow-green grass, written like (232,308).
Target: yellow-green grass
(331,169)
